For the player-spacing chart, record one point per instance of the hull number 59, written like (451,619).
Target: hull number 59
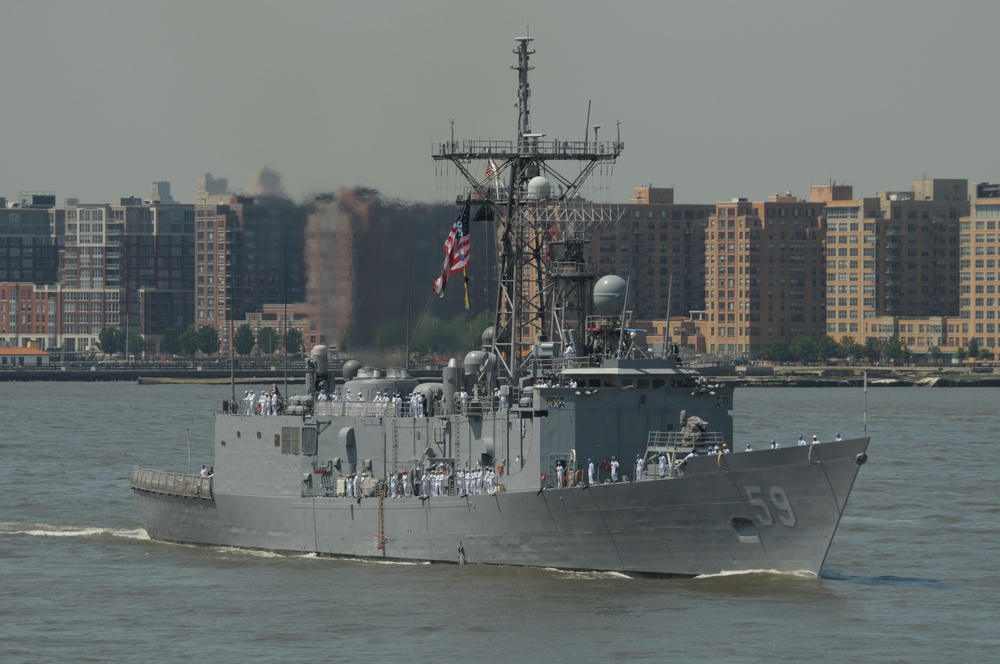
(766,504)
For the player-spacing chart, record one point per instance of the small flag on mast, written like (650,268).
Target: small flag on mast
(492,170)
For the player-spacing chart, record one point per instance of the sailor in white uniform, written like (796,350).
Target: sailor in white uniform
(639,465)
(614,469)
(663,465)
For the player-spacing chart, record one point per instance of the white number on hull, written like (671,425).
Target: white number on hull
(762,510)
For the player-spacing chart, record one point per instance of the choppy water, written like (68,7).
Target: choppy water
(912,575)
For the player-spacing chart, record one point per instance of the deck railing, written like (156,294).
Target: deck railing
(172,484)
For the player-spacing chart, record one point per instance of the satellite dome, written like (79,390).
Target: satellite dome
(351,368)
(609,295)
(539,187)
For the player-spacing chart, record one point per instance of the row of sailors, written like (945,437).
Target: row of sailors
(613,466)
(416,405)
(802,441)
(434,482)
(268,403)
(713,450)
(382,403)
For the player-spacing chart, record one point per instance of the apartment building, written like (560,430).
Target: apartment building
(248,253)
(979,271)
(891,256)
(765,274)
(659,246)
(128,265)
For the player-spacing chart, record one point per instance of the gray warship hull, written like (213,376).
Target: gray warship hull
(764,510)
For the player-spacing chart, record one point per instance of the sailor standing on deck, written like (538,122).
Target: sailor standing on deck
(663,465)
(560,471)
(251,402)
(393,485)
(639,465)
(591,479)
(614,469)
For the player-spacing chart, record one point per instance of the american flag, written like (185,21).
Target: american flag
(456,247)
(456,250)
(492,170)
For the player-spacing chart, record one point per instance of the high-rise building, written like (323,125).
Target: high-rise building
(659,246)
(248,252)
(128,265)
(28,239)
(764,274)
(29,229)
(979,271)
(893,255)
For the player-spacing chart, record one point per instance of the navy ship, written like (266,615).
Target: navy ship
(558,443)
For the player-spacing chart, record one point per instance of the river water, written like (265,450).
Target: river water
(913,574)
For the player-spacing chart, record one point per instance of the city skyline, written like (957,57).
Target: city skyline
(717,100)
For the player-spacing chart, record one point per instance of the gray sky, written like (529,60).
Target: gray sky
(718,99)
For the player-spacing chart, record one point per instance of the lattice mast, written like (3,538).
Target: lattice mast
(539,296)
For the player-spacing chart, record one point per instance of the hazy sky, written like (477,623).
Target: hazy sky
(717,99)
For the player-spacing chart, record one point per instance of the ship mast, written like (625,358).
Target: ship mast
(540,297)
